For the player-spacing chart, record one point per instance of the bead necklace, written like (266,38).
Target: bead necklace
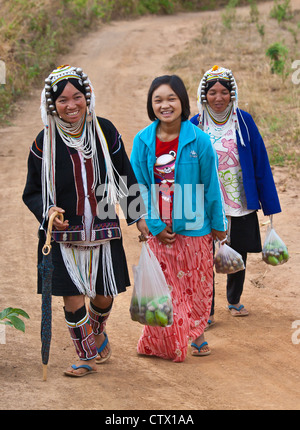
(76,136)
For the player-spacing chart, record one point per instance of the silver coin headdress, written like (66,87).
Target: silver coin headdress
(216,74)
(52,122)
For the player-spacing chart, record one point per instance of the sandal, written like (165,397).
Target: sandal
(99,359)
(238,312)
(209,324)
(79,375)
(198,348)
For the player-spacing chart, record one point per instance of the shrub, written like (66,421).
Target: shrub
(281,11)
(278,54)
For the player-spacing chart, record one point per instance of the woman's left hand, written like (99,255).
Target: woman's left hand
(216,234)
(143,228)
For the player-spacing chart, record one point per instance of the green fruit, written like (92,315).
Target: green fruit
(161,318)
(285,255)
(163,299)
(150,318)
(273,260)
(145,300)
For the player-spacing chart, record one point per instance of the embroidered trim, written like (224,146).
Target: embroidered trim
(83,338)
(108,232)
(100,232)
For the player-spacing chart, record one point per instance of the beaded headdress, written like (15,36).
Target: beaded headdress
(58,75)
(218,74)
(80,136)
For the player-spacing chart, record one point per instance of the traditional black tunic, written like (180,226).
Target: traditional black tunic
(70,196)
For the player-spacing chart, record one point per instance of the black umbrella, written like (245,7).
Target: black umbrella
(46,269)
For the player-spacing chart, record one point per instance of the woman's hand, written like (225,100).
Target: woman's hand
(216,234)
(57,223)
(143,228)
(167,236)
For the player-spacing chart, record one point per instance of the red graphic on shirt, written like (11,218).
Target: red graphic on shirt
(164,174)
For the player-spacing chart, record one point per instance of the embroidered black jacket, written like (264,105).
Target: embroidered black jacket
(70,193)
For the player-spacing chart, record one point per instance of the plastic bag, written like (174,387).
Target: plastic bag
(274,250)
(227,260)
(151,302)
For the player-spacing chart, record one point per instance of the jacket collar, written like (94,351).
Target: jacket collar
(186,135)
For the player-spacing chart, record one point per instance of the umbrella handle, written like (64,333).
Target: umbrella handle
(47,247)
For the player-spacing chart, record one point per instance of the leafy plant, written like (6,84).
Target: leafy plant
(261,29)
(278,54)
(10,317)
(254,13)
(281,11)
(230,13)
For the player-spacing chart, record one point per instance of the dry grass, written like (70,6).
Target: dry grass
(33,33)
(272,101)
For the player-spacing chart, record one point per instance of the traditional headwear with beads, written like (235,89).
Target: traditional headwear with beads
(226,78)
(65,73)
(89,129)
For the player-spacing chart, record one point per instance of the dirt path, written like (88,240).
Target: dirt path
(254,363)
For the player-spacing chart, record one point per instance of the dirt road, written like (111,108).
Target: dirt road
(255,360)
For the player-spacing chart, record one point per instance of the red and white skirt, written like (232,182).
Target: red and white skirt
(188,268)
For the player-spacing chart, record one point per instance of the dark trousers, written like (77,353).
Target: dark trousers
(245,237)
(235,285)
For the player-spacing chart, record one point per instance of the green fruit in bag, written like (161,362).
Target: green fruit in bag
(163,299)
(150,318)
(161,318)
(273,260)
(285,255)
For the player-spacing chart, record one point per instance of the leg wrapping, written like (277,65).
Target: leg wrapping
(81,333)
(98,318)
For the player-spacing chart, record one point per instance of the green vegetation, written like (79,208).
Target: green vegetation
(263,68)
(229,16)
(34,33)
(259,49)
(10,317)
(278,54)
(281,10)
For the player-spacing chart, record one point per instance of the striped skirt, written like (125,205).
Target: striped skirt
(188,268)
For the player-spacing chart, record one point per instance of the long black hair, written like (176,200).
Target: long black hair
(177,86)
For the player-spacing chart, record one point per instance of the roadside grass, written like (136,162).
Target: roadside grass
(273,102)
(34,33)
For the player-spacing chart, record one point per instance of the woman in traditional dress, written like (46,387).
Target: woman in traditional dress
(78,167)
(244,171)
(183,217)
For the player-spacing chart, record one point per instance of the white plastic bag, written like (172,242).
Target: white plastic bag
(274,250)
(151,302)
(227,260)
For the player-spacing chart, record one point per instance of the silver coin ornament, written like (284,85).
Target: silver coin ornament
(83,81)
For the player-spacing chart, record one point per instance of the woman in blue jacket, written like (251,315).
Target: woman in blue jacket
(176,167)
(244,171)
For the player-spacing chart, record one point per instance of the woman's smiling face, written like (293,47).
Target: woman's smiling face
(166,104)
(71,104)
(218,97)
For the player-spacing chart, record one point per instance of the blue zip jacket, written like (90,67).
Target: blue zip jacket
(258,179)
(198,201)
